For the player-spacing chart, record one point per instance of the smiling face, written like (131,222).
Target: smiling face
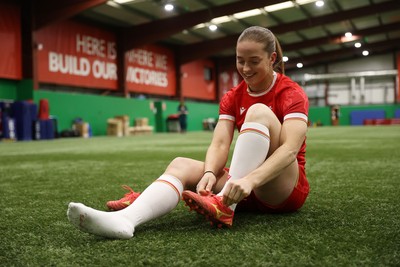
(254,64)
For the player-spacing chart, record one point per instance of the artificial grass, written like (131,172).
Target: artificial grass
(350,218)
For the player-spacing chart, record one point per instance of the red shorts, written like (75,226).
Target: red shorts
(294,202)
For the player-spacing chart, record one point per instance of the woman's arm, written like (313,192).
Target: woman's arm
(217,154)
(293,134)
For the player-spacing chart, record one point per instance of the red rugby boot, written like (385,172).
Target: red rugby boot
(124,202)
(211,207)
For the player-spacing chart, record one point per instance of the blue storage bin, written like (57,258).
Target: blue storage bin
(43,129)
(8,127)
(23,119)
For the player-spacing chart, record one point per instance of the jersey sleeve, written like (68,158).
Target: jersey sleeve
(295,103)
(226,107)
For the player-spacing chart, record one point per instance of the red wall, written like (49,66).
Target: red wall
(71,53)
(10,45)
(194,83)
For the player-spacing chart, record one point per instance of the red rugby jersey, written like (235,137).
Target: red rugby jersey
(285,98)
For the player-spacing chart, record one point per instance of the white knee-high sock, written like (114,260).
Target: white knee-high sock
(250,151)
(158,199)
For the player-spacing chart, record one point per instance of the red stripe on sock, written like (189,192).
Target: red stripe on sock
(255,131)
(173,186)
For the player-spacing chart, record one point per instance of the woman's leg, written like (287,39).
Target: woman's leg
(251,150)
(157,199)
(277,190)
(258,139)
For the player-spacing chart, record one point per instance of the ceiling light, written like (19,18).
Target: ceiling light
(365,53)
(169,7)
(280,6)
(220,20)
(113,4)
(213,27)
(303,2)
(253,12)
(246,14)
(285,59)
(299,65)
(349,38)
(357,45)
(123,1)
(199,26)
(319,3)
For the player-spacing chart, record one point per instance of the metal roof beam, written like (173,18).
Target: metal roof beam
(347,53)
(49,11)
(160,29)
(207,48)
(336,39)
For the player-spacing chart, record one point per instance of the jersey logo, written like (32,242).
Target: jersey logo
(242,109)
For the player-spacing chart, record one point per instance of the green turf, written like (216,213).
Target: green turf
(352,216)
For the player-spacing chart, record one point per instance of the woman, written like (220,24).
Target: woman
(267,168)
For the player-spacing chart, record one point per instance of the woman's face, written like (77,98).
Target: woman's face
(254,65)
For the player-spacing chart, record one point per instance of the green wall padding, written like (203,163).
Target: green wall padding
(198,111)
(319,115)
(25,89)
(16,89)
(346,110)
(8,89)
(96,110)
(323,114)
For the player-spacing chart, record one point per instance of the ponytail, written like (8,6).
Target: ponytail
(278,64)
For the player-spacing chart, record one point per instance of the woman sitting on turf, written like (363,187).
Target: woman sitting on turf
(267,168)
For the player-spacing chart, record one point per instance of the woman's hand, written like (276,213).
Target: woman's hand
(206,183)
(236,191)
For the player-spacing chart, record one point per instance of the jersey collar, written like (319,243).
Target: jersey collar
(266,91)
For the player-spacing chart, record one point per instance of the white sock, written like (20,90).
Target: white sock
(158,199)
(106,224)
(250,152)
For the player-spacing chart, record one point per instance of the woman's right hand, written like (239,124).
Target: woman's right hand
(206,184)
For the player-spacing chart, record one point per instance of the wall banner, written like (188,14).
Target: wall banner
(150,69)
(10,45)
(70,53)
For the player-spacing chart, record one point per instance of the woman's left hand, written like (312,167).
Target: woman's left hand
(236,191)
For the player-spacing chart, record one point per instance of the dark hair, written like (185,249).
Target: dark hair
(271,44)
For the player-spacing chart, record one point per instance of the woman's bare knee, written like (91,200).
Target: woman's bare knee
(260,113)
(188,171)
